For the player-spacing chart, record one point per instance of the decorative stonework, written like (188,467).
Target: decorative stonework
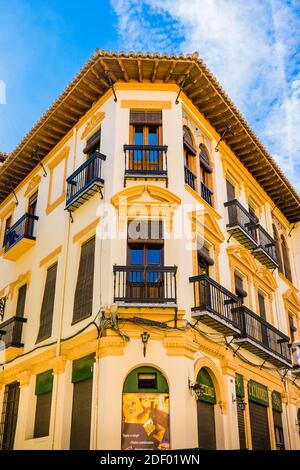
(33,183)
(110,346)
(93,122)
(23,278)
(58,365)
(24,378)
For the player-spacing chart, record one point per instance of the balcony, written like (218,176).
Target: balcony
(214,305)
(11,332)
(190,177)
(85,182)
(145,285)
(20,237)
(266,250)
(146,162)
(206,194)
(241,224)
(262,339)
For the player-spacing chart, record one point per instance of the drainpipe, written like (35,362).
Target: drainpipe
(66,259)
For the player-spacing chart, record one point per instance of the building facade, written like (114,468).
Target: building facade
(149,270)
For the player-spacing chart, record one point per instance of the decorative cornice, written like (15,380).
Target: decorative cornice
(23,278)
(33,183)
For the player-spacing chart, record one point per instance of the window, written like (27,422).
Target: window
(46,316)
(145,131)
(21,301)
(83,302)
(32,203)
(204,260)
(43,391)
(205,171)
(286,260)
(239,288)
(147,380)
(278,250)
(82,379)
(262,312)
(189,153)
(230,189)
(292,326)
(6,229)
(9,416)
(93,144)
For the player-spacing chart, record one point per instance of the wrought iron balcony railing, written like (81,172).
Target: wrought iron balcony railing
(241,224)
(215,305)
(85,181)
(206,194)
(263,339)
(266,250)
(146,161)
(145,284)
(11,332)
(190,177)
(23,229)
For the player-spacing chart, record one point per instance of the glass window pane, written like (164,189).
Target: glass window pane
(136,256)
(154,255)
(138,135)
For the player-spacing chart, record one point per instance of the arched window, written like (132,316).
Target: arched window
(145,410)
(286,260)
(189,153)
(278,251)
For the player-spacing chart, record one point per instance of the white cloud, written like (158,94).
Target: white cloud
(249,46)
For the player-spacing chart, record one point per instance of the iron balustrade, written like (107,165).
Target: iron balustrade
(239,216)
(209,296)
(267,243)
(11,332)
(190,177)
(146,160)
(266,335)
(23,228)
(206,193)
(85,176)
(145,284)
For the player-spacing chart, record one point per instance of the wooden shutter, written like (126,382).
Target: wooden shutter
(42,415)
(286,261)
(188,141)
(93,142)
(230,191)
(259,426)
(239,290)
(241,423)
(46,316)
(146,118)
(6,228)
(83,302)
(9,416)
(81,415)
(206,425)
(21,301)
(262,306)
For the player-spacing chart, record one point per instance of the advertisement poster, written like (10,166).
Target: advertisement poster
(145,421)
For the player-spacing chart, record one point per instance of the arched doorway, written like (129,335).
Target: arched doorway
(206,411)
(145,410)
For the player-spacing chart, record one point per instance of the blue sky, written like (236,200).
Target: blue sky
(253,48)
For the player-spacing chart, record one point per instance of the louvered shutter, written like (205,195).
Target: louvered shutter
(259,426)
(43,391)
(93,142)
(146,118)
(9,416)
(83,302)
(46,316)
(21,301)
(206,425)
(241,423)
(230,191)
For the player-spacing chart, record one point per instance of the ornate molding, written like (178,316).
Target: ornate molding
(58,365)
(92,123)
(110,346)
(33,183)
(24,378)
(23,278)
(180,346)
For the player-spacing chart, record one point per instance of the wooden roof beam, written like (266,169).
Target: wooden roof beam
(123,70)
(76,111)
(80,101)
(217,122)
(140,71)
(154,70)
(57,129)
(216,112)
(200,91)
(107,70)
(212,105)
(87,95)
(92,85)
(62,120)
(170,71)
(97,74)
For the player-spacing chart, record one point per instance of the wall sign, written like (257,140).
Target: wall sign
(276,401)
(258,393)
(239,386)
(208,389)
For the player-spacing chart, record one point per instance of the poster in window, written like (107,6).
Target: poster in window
(145,421)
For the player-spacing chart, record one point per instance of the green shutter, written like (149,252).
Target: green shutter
(83,368)
(208,389)
(44,383)
(239,386)
(131,384)
(258,393)
(276,401)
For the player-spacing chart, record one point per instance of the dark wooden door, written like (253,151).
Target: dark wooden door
(9,416)
(206,425)
(259,426)
(81,415)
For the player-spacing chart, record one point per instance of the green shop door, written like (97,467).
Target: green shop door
(206,412)
(145,411)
